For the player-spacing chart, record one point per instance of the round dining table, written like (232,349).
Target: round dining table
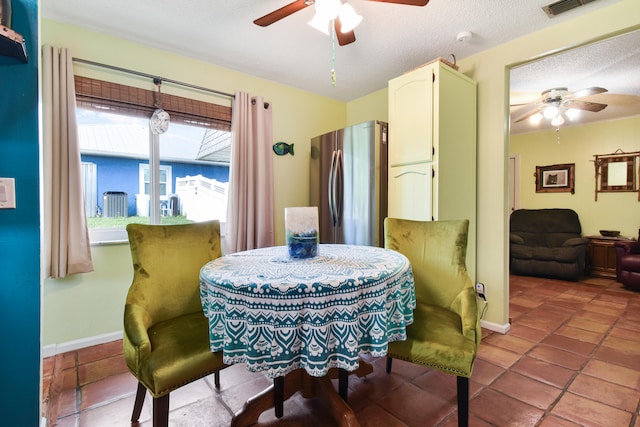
(282,315)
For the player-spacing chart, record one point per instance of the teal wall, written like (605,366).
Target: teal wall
(20,228)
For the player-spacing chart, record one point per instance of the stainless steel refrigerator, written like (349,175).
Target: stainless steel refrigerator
(349,183)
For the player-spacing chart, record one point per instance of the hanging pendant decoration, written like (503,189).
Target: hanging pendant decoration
(333,55)
(159,121)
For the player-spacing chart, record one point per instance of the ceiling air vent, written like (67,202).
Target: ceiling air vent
(563,6)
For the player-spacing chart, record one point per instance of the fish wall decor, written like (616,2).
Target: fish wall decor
(282,148)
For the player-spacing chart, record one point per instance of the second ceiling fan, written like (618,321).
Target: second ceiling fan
(556,102)
(341,13)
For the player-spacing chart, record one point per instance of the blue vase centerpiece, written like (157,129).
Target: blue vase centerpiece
(302,237)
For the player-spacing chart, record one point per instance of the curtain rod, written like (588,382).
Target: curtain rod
(156,79)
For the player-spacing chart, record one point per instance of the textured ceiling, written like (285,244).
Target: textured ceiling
(613,64)
(391,40)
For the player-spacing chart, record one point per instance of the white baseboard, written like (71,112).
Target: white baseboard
(495,327)
(53,349)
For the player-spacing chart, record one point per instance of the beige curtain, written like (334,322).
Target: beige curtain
(66,238)
(250,221)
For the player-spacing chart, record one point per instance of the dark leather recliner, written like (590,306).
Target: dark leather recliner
(547,243)
(628,263)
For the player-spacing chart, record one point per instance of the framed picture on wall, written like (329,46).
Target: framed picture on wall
(556,178)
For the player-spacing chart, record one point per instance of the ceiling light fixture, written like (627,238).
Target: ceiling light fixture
(551,111)
(349,19)
(536,118)
(557,120)
(328,10)
(572,113)
(556,114)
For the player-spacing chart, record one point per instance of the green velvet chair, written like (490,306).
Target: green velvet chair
(446,332)
(166,334)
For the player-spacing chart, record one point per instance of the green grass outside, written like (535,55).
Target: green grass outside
(121,222)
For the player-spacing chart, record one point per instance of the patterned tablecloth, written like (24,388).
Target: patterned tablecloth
(278,314)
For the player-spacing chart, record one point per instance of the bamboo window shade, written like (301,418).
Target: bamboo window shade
(98,94)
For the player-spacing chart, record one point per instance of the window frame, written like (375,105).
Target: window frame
(118,98)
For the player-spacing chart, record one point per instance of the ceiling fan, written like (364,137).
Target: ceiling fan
(326,11)
(557,103)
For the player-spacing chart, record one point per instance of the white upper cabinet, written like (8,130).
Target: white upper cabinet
(429,107)
(410,111)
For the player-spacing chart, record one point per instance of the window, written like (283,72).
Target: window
(165,180)
(115,146)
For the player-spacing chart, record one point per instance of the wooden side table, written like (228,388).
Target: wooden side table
(601,256)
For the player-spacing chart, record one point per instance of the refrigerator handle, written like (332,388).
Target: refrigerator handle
(331,187)
(339,185)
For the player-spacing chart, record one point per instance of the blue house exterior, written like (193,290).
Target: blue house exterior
(122,174)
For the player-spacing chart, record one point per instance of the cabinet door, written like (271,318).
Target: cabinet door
(410,117)
(409,192)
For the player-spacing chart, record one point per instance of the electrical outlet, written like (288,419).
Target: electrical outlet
(480,291)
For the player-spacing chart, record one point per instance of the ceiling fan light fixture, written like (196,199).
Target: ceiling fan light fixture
(557,105)
(349,19)
(550,112)
(536,118)
(328,9)
(319,24)
(572,113)
(557,120)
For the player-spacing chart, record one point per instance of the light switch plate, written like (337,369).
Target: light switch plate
(7,193)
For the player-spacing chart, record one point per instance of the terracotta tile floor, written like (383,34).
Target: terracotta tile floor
(571,358)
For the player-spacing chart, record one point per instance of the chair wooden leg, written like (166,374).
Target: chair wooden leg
(278,396)
(161,411)
(137,406)
(463,401)
(216,379)
(343,383)
(389,361)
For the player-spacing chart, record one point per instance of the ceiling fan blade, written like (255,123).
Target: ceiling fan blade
(526,112)
(588,91)
(586,105)
(343,38)
(281,13)
(406,2)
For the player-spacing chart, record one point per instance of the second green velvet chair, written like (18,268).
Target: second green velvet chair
(446,332)
(166,334)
